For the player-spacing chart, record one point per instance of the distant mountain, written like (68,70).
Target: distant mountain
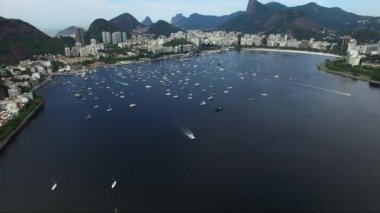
(372,24)
(331,18)
(98,26)
(147,21)
(70,31)
(257,18)
(276,7)
(123,23)
(292,22)
(303,21)
(20,40)
(201,22)
(126,22)
(162,28)
(178,19)
(365,35)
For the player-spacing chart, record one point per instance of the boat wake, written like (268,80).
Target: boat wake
(187,132)
(322,89)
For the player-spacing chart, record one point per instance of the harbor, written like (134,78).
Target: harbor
(140,134)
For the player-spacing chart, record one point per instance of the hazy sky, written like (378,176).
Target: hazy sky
(52,15)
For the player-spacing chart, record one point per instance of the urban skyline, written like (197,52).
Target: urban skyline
(49,18)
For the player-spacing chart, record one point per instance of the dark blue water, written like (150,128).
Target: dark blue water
(307,146)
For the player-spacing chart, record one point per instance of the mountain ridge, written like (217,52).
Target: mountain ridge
(21,40)
(147,21)
(198,21)
(162,27)
(67,32)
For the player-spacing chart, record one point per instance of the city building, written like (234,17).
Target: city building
(79,35)
(124,37)
(106,37)
(354,58)
(67,52)
(116,37)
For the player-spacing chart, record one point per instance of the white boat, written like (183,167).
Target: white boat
(226,91)
(189,98)
(211,98)
(54,186)
(132,105)
(88,116)
(265,93)
(176,96)
(276,76)
(109,109)
(122,96)
(148,87)
(114,184)
(96,106)
(203,103)
(190,135)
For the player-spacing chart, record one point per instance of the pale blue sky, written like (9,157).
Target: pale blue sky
(51,15)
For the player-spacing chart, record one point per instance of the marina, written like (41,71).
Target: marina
(245,126)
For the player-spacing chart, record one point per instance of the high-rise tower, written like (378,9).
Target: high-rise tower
(79,36)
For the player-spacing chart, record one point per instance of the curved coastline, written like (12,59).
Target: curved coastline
(26,120)
(292,51)
(347,74)
(320,66)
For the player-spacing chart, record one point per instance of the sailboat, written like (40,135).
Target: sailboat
(88,116)
(212,96)
(109,109)
(265,93)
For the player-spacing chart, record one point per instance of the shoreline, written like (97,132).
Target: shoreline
(27,119)
(123,63)
(292,51)
(347,74)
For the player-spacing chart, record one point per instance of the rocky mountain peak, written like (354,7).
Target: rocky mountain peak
(147,21)
(251,8)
